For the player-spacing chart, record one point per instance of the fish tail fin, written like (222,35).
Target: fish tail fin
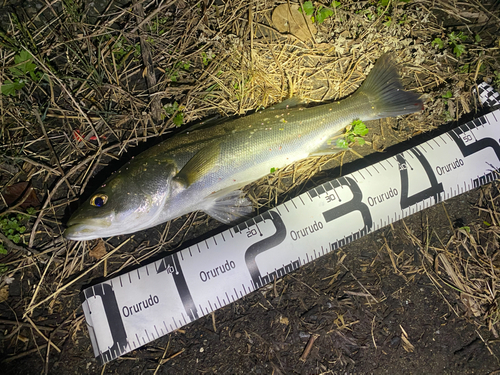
(228,208)
(386,95)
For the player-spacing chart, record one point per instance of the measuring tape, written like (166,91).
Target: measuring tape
(140,306)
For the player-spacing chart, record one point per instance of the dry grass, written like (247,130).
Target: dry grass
(96,101)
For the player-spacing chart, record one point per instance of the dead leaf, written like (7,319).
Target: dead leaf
(288,19)
(16,192)
(4,293)
(98,251)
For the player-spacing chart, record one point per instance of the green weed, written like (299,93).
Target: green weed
(207,57)
(13,226)
(447,115)
(157,26)
(320,14)
(496,78)
(174,109)
(454,40)
(354,134)
(23,70)
(122,49)
(174,72)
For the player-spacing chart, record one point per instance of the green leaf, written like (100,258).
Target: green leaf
(11,88)
(384,3)
(24,64)
(477,38)
(178,119)
(335,4)
(323,14)
(171,108)
(308,8)
(459,49)
(438,42)
(457,37)
(464,68)
(447,95)
(361,141)
(342,143)
(3,250)
(359,128)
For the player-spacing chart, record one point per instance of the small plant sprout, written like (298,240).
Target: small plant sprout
(320,14)
(23,70)
(206,57)
(174,109)
(447,115)
(455,41)
(353,134)
(438,42)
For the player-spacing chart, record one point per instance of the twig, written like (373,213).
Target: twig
(24,354)
(49,342)
(308,347)
(148,62)
(23,324)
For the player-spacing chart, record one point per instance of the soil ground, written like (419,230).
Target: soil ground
(384,304)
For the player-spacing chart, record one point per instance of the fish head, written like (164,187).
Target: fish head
(129,201)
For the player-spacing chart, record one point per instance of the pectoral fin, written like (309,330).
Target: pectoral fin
(228,208)
(199,165)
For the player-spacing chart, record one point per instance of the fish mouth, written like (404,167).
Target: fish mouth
(82,228)
(81,232)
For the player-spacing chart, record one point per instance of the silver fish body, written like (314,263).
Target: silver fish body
(204,169)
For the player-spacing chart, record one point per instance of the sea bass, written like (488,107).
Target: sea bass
(204,169)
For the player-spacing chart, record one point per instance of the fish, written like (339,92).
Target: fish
(205,169)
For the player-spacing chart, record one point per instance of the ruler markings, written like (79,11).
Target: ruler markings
(300,197)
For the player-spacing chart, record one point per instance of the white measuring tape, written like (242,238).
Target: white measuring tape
(140,306)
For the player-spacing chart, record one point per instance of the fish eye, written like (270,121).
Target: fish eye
(98,200)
